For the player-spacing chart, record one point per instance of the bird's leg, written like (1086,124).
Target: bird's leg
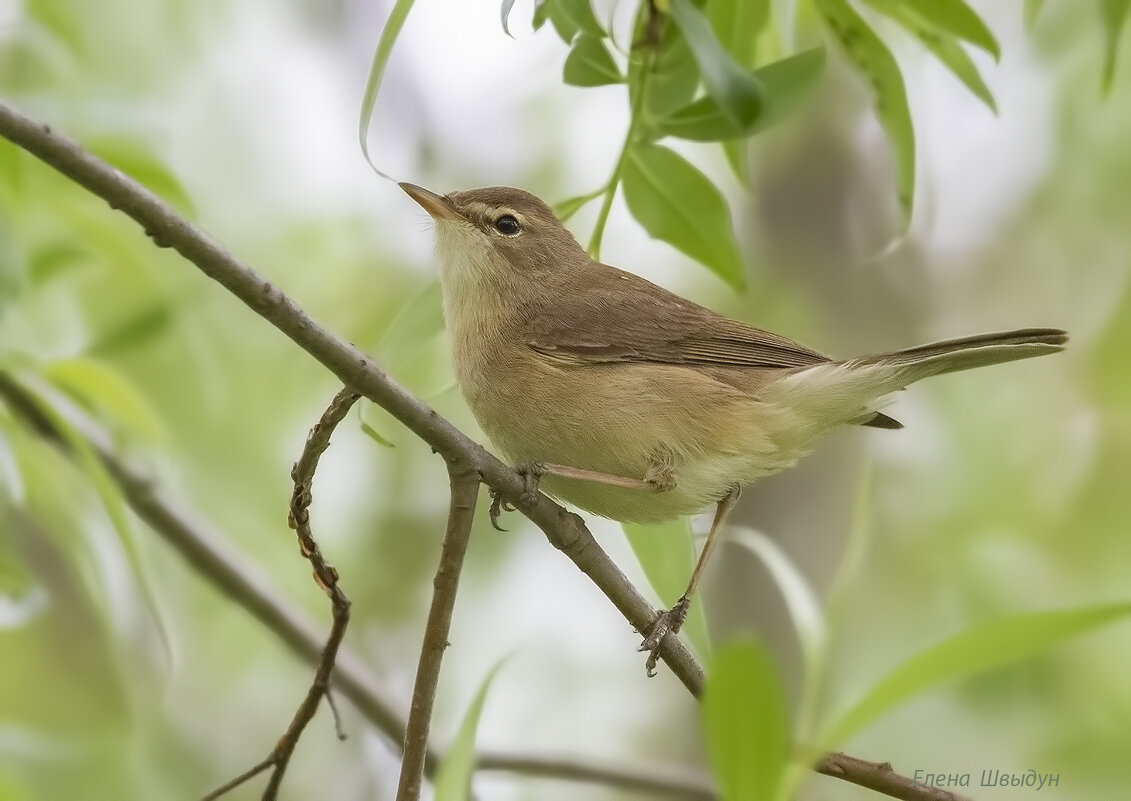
(669,622)
(660,477)
(565,471)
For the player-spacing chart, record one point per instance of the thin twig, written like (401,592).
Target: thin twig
(465,492)
(326,577)
(655,781)
(880,776)
(564,530)
(246,776)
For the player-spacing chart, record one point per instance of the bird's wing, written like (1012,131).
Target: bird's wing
(619,317)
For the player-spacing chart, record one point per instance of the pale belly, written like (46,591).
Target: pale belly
(619,419)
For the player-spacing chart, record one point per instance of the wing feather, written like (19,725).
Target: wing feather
(620,317)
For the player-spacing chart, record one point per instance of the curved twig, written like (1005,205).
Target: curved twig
(326,577)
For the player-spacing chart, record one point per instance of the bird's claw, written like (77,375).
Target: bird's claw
(498,506)
(667,622)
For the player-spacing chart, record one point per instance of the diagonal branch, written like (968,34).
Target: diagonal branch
(465,493)
(654,781)
(564,530)
(881,777)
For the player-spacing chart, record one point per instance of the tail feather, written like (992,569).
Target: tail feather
(848,391)
(966,353)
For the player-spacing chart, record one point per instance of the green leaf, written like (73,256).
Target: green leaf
(405,345)
(580,14)
(944,46)
(565,28)
(418,321)
(876,63)
(678,204)
(785,84)
(373,433)
(61,22)
(564,209)
(736,90)
(737,25)
(11,482)
(985,646)
(100,388)
(143,326)
(453,779)
(381,55)
(745,724)
(957,19)
(589,63)
(958,61)
(666,552)
(1032,11)
(505,15)
(804,608)
(673,78)
(136,159)
(1114,14)
(541,14)
(569,17)
(54,259)
(87,459)
(863,524)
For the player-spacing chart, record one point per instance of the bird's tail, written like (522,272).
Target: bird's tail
(847,391)
(951,355)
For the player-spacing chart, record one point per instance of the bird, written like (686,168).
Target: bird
(631,402)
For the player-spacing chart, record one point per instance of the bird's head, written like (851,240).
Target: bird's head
(498,235)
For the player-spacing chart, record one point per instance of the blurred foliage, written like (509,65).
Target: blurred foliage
(123,675)
(679,46)
(745,720)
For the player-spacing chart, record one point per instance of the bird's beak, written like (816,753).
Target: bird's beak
(436,205)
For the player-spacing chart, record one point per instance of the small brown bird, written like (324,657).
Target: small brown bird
(630,401)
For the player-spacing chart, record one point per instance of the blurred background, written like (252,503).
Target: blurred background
(125,674)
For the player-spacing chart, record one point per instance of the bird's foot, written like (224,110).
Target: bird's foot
(666,623)
(531,475)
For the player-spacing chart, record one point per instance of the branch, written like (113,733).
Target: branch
(880,776)
(652,782)
(326,577)
(465,493)
(565,531)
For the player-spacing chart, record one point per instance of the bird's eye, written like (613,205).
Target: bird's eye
(507,225)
